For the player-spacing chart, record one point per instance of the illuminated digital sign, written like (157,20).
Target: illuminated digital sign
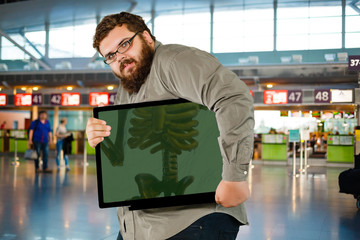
(23,99)
(2,99)
(95,98)
(275,96)
(70,99)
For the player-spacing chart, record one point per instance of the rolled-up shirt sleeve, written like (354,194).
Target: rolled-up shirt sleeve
(199,77)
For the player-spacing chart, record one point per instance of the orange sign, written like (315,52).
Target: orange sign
(2,99)
(95,98)
(276,96)
(23,99)
(70,99)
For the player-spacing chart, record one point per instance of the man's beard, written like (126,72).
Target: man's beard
(137,77)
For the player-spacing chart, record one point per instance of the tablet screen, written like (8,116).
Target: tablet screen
(158,154)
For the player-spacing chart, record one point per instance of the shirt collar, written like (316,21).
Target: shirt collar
(157,44)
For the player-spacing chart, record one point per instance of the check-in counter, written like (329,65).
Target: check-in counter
(20,136)
(8,138)
(274,147)
(340,148)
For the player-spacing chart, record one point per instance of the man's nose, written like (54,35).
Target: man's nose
(120,56)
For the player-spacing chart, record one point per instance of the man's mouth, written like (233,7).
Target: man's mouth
(126,65)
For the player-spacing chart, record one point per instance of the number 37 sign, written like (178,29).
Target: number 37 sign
(354,63)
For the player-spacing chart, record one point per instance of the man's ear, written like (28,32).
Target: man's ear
(147,37)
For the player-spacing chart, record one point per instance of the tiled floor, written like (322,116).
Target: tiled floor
(64,205)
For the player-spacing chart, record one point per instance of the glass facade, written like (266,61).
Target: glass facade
(309,27)
(246,30)
(192,29)
(249,27)
(72,41)
(352,28)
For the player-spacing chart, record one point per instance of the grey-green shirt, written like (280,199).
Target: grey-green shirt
(183,72)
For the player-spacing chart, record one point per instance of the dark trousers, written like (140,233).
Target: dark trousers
(215,226)
(44,148)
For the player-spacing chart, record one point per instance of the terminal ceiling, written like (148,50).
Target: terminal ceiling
(32,14)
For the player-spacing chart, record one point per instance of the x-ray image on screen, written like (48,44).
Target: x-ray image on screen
(158,152)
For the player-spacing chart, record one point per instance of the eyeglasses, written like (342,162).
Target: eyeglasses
(123,47)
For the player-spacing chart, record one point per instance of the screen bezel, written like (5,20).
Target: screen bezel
(187,199)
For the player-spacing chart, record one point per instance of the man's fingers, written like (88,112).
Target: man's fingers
(95,121)
(96,130)
(95,141)
(98,127)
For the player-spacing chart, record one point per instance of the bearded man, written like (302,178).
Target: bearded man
(151,71)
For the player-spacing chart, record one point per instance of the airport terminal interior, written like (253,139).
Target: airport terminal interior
(299,58)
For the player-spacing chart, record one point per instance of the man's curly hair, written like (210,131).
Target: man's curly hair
(133,22)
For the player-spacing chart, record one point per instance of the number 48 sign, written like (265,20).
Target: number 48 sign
(322,96)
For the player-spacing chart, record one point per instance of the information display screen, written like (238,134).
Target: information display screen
(23,99)
(2,99)
(95,98)
(276,96)
(70,99)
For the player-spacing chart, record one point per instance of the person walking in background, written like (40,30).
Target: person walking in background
(39,135)
(61,134)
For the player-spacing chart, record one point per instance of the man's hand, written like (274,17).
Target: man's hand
(232,194)
(96,130)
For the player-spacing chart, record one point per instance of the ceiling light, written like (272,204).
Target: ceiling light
(110,87)
(69,88)
(23,88)
(35,88)
(269,85)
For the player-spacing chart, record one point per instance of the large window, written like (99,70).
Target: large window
(37,39)
(191,29)
(243,30)
(309,27)
(352,28)
(72,41)
(11,52)
(300,25)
